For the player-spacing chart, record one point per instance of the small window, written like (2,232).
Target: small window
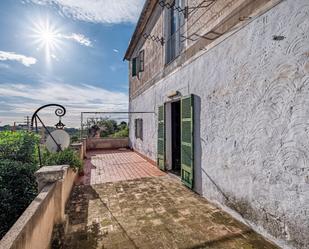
(141,60)
(139,128)
(134,67)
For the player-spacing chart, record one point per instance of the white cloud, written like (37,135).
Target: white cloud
(11,56)
(23,100)
(98,11)
(80,38)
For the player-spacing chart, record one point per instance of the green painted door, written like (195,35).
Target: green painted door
(161,139)
(187,136)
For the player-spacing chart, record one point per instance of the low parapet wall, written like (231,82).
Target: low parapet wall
(107,143)
(80,148)
(33,230)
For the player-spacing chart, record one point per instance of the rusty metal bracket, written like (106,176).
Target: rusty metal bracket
(154,38)
(186,10)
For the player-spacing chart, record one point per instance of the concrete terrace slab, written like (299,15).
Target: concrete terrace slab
(151,212)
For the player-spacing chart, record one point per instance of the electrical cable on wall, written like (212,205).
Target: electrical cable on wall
(210,35)
(194,36)
(194,9)
(213,32)
(163,4)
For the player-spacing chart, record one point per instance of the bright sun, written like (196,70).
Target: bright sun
(46,37)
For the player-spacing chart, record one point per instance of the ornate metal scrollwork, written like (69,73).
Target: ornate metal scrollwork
(59,112)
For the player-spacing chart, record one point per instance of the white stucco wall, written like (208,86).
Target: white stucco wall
(253,95)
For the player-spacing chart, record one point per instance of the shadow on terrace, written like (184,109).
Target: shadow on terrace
(124,201)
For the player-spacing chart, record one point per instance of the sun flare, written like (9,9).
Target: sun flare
(46,37)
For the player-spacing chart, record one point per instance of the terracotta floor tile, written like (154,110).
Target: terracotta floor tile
(113,166)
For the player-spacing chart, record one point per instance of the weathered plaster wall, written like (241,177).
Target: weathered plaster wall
(220,16)
(253,96)
(33,229)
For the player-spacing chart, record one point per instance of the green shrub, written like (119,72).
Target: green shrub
(122,133)
(18,162)
(17,189)
(74,139)
(19,146)
(65,157)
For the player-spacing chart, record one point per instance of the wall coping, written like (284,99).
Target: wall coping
(16,231)
(51,181)
(107,143)
(50,174)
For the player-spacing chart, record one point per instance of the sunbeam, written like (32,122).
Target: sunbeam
(46,37)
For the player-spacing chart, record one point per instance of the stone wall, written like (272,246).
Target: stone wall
(33,230)
(252,111)
(154,54)
(107,143)
(80,148)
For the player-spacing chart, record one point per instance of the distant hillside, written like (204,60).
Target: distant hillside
(71,131)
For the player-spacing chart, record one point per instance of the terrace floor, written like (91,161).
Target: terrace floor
(126,202)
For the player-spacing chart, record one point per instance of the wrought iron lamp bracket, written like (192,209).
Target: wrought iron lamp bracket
(59,112)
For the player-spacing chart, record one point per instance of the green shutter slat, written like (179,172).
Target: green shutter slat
(141,60)
(133,67)
(187,148)
(161,139)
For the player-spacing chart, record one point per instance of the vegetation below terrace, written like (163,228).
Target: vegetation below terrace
(18,163)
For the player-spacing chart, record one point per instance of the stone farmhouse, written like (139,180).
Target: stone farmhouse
(224,85)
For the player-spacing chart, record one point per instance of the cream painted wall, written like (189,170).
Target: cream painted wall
(252,139)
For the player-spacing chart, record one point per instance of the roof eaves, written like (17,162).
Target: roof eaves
(142,21)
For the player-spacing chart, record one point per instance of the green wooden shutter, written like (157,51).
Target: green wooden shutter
(141,61)
(161,139)
(187,150)
(134,65)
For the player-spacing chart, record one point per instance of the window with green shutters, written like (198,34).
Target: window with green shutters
(187,149)
(161,139)
(134,67)
(138,64)
(141,60)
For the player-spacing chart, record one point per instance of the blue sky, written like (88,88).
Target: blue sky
(64,51)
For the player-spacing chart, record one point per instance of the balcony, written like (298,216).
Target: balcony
(124,201)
